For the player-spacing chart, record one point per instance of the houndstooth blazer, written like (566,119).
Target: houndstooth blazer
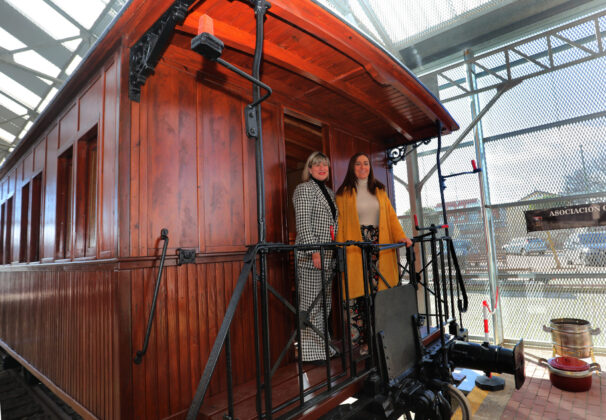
(314,219)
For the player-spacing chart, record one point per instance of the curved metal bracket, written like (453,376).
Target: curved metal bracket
(399,153)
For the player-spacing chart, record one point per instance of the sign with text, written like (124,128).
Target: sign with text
(585,215)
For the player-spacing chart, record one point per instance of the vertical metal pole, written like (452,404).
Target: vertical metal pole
(478,139)
(416,207)
(426,287)
(325,317)
(298,321)
(265,337)
(257,342)
(261,7)
(230,387)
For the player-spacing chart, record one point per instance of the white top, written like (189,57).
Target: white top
(367,204)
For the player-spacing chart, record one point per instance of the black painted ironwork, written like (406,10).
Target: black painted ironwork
(146,52)
(399,153)
(186,256)
(141,353)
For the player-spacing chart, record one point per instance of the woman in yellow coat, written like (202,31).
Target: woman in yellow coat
(366,214)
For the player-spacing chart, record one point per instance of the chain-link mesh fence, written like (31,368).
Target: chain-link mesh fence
(544,146)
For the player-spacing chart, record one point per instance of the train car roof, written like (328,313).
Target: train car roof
(310,56)
(330,63)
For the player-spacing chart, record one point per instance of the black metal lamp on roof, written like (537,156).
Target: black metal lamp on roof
(208,46)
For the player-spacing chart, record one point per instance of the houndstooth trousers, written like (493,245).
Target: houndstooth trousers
(310,287)
(314,224)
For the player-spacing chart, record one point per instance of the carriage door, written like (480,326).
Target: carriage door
(301,138)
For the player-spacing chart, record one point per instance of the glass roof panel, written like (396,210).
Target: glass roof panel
(9,42)
(85,12)
(16,90)
(47,100)
(47,18)
(73,65)
(25,129)
(8,103)
(418,16)
(361,16)
(394,23)
(6,136)
(73,44)
(35,61)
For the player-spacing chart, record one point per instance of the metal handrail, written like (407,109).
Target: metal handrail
(139,356)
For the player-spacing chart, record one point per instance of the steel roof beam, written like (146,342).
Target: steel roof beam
(68,17)
(529,130)
(509,52)
(30,34)
(32,71)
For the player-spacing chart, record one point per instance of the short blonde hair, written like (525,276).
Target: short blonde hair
(313,159)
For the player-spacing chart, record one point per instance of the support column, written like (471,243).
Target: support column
(416,207)
(478,140)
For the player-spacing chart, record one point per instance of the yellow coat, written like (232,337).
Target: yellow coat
(390,231)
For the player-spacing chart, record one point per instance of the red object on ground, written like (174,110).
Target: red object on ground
(560,370)
(569,363)
(473,165)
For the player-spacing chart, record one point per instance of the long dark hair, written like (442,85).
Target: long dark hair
(349,183)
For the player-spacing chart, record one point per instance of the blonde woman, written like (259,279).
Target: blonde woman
(317,222)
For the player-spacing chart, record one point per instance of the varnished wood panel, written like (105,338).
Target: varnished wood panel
(127,187)
(223,157)
(50,196)
(275,174)
(68,126)
(39,156)
(17,214)
(190,308)
(11,182)
(108,166)
(28,166)
(171,179)
(91,104)
(61,323)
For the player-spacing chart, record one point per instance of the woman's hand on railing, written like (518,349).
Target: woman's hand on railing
(406,241)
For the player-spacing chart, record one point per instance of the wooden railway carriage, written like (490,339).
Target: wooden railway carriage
(86,193)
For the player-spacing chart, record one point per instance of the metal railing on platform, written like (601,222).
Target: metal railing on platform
(438,275)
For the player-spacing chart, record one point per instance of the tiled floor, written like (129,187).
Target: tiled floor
(539,399)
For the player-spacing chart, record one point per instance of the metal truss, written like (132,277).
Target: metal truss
(555,41)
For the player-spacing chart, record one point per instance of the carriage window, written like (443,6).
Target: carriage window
(34,244)
(8,232)
(64,205)
(86,196)
(24,220)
